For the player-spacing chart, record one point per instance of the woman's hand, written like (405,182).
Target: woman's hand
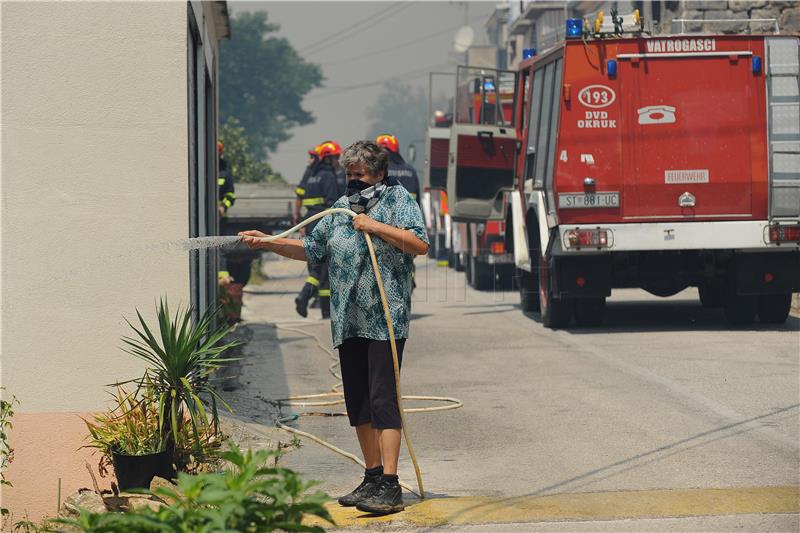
(402,239)
(252,239)
(365,223)
(291,248)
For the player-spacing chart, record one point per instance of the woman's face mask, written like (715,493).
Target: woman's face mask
(357,179)
(355,186)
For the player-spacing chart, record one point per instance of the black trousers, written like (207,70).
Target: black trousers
(369,385)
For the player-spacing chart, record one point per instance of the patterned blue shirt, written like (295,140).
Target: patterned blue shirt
(356,309)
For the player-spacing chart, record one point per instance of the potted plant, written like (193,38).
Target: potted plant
(130,437)
(182,356)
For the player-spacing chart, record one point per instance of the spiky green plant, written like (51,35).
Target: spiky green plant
(182,356)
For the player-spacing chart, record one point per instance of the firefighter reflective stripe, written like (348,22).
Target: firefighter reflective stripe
(325,293)
(319,200)
(220,181)
(228,199)
(313,281)
(299,191)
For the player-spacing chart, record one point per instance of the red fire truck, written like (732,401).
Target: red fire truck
(481,151)
(653,162)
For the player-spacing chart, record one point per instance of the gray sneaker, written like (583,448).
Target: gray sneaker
(361,492)
(386,498)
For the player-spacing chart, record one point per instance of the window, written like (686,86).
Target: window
(202,169)
(553,134)
(485,96)
(543,126)
(533,125)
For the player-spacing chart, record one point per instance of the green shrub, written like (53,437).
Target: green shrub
(131,427)
(249,498)
(6,452)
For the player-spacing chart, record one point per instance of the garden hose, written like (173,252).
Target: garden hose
(454,403)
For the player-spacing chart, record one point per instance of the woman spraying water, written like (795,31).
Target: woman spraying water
(360,330)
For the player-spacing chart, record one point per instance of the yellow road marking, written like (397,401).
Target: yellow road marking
(585,506)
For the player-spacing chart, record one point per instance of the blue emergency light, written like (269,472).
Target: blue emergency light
(574,28)
(528,53)
(611,67)
(756,64)
(488,85)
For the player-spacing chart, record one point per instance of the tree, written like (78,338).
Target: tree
(401,110)
(238,153)
(263,81)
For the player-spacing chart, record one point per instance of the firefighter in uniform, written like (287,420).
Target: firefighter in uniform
(341,180)
(226,197)
(318,192)
(404,173)
(398,168)
(313,159)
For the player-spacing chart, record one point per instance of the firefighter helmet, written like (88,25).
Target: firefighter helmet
(329,148)
(389,142)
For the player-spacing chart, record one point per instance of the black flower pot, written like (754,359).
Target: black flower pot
(137,471)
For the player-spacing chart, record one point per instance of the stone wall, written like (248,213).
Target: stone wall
(786,12)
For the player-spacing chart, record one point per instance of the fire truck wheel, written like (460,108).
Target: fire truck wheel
(589,311)
(528,286)
(460,262)
(480,275)
(774,308)
(556,312)
(711,296)
(740,309)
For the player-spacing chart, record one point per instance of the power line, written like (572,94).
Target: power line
(354,25)
(355,33)
(401,45)
(352,30)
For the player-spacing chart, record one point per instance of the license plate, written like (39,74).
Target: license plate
(588,200)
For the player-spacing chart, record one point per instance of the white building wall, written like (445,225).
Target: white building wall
(94,176)
(94,179)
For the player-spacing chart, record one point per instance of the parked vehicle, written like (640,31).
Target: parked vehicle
(266,207)
(652,162)
(434,176)
(476,148)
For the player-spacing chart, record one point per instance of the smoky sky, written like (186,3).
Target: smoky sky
(412,37)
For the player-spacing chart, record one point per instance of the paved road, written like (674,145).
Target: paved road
(665,399)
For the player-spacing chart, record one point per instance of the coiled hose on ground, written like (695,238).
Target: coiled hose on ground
(297,401)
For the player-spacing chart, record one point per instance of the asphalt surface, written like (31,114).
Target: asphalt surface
(665,397)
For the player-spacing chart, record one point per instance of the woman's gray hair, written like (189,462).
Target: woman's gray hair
(374,158)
